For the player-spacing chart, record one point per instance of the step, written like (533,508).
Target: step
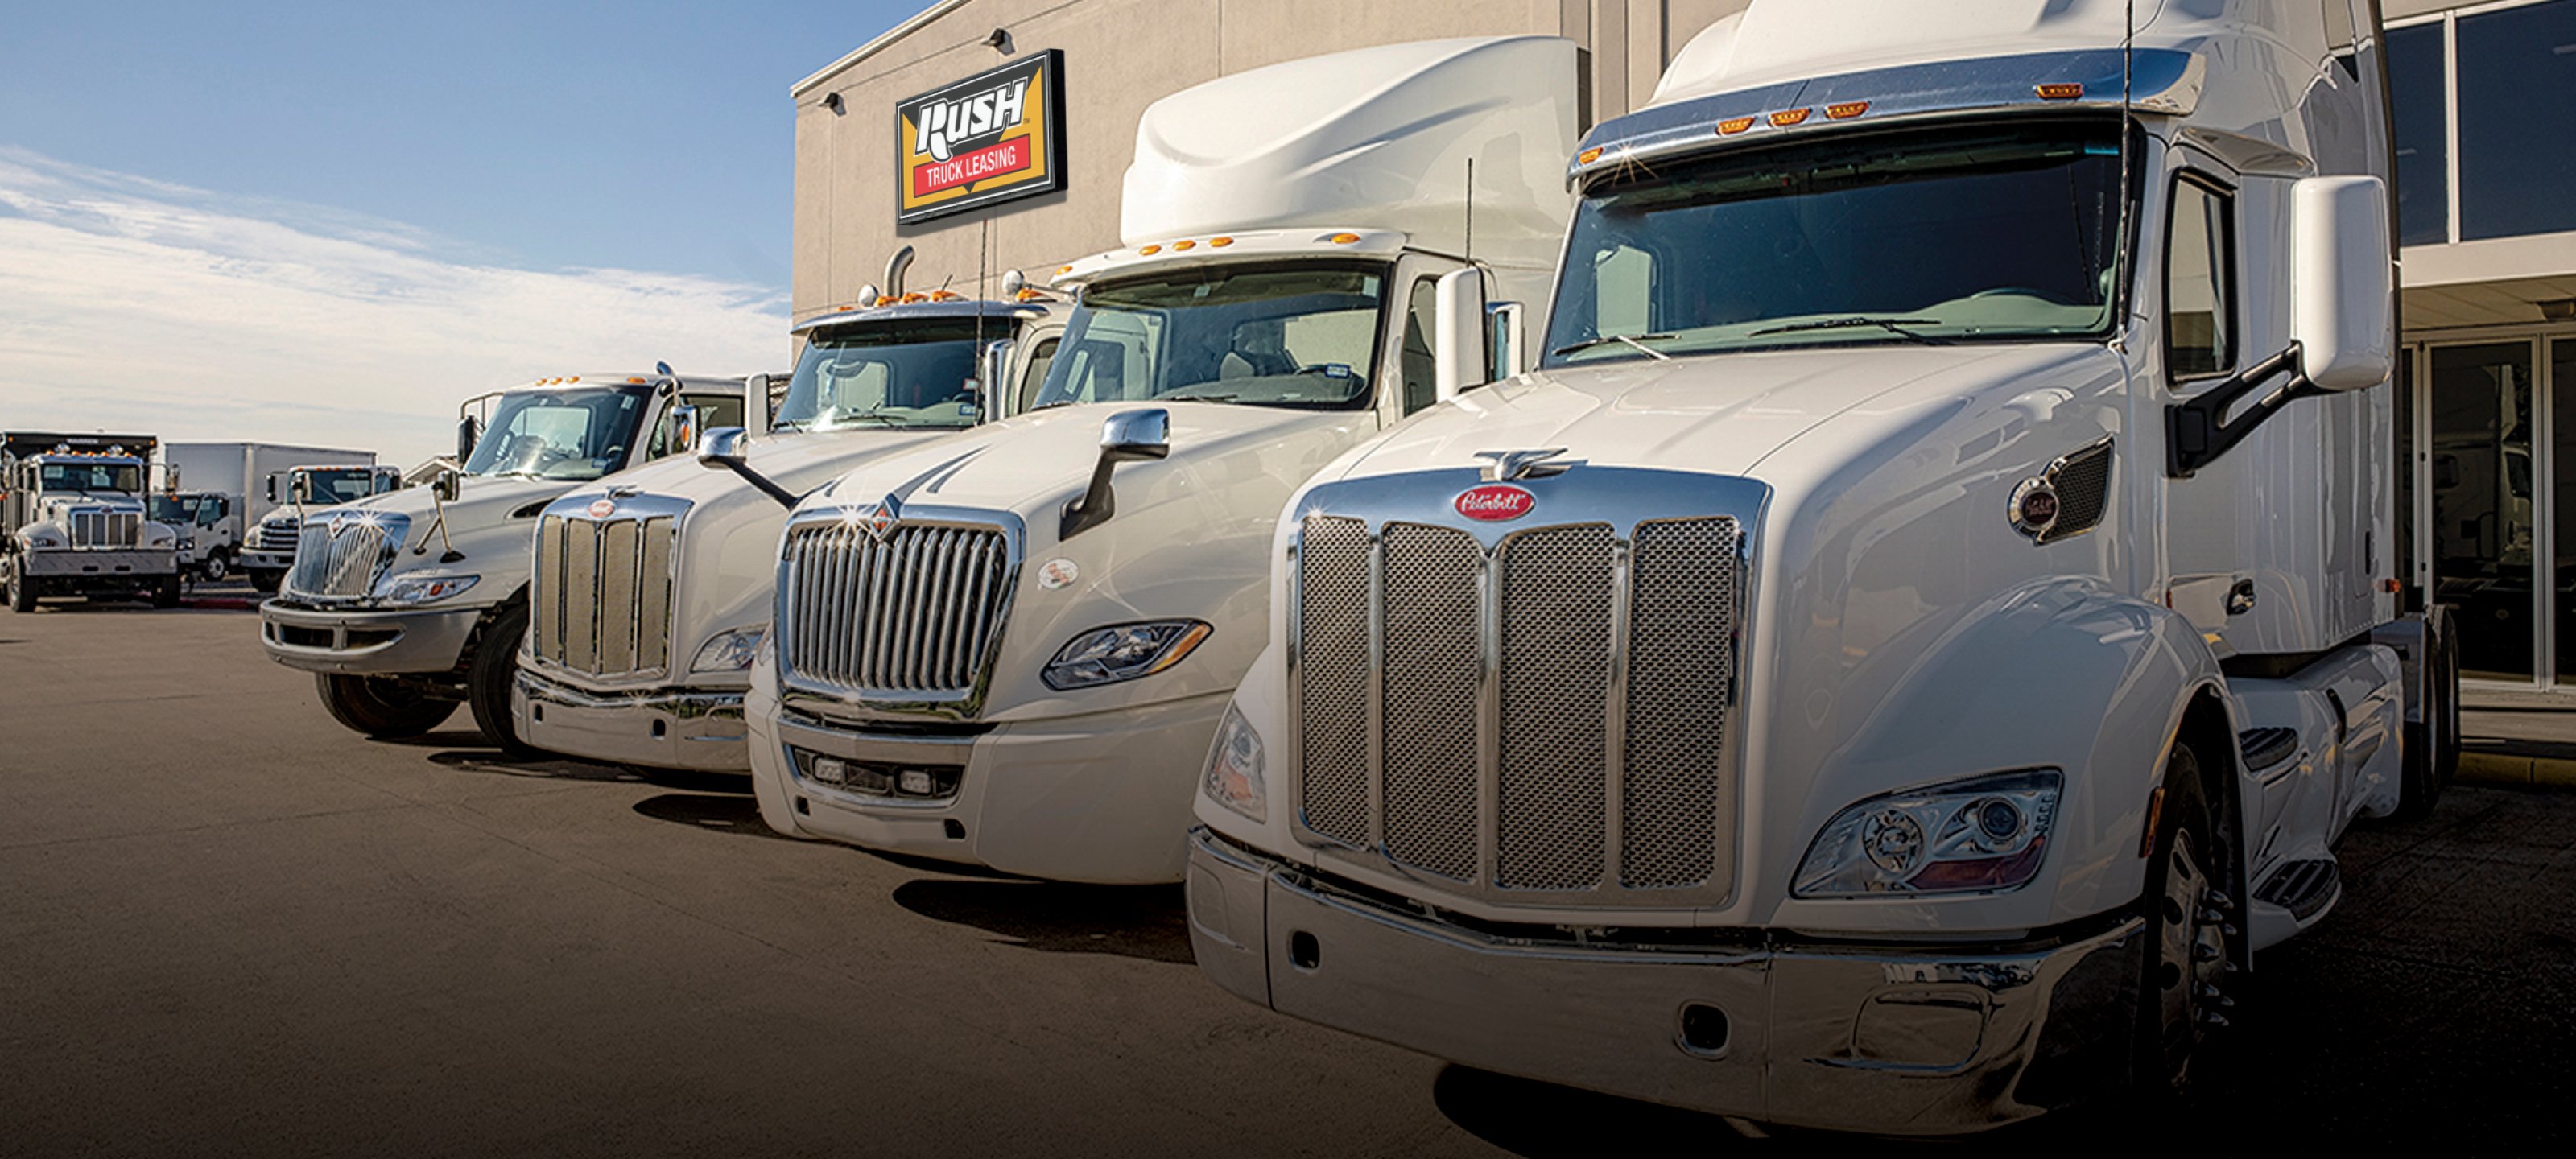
(2302,887)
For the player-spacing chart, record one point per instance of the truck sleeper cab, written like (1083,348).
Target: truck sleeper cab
(405,605)
(1900,653)
(652,588)
(1010,648)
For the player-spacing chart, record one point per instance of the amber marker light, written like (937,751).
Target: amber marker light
(1846,110)
(1787,117)
(635,381)
(1220,242)
(1588,156)
(1149,250)
(1733,125)
(1178,246)
(1343,238)
(2060,91)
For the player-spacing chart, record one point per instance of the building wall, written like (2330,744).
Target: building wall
(1120,56)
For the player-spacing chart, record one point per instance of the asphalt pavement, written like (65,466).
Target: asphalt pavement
(229,926)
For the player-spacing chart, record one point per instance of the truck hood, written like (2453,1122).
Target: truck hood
(1722,414)
(490,523)
(1189,539)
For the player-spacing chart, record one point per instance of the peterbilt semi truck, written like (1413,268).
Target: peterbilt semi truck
(297,491)
(405,605)
(652,589)
(1009,648)
(1920,633)
(73,522)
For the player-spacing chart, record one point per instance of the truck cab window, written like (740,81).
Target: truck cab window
(2199,282)
(1421,386)
(1035,376)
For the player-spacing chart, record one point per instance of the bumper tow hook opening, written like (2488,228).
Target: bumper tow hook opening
(1303,953)
(537,713)
(802,809)
(658,729)
(955,829)
(1703,1029)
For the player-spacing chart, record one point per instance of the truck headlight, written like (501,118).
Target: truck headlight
(424,589)
(43,539)
(730,651)
(1234,768)
(187,543)
(1123,652)
(1980,835)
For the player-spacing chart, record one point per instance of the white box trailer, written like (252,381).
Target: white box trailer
(248,478)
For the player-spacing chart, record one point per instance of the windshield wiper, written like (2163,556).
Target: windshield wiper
(1052,405)
(1896,326)
(1637,340)
(1198,396)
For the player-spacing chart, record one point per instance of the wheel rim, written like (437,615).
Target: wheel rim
(2191,954)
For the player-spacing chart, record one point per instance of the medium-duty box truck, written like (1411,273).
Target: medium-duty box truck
(1919,635)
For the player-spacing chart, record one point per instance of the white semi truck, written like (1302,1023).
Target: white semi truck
(1924,627)
(297,491)
(1011,647)
(652,588)
(404,605)
(73,521)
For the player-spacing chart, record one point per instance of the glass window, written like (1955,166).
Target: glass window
(60,476)
(1303,337)
(2517,150)
(917,374)
(1035,376)
(560,434)
(2482,536)
(2416,87)
(1420,369)
(2199,271)
(1915,235)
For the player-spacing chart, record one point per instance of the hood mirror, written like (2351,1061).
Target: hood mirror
(447,484)
(728,448)
(301,489)
(993,392)
(684,428)
(1126,437)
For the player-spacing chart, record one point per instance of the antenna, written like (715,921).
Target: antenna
(1471,211)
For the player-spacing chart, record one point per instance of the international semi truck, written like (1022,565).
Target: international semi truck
(1919,635)
(297,491)
(1010,647)
(245,476)
(652,589)
(405,605)
(73,521)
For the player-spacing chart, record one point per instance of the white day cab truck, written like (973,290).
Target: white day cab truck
(73,521)
(1010,647)
(652,589)
(295,493)
(243,475)
(1900,656)
(406,604)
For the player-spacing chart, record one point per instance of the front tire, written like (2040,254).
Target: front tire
(2431,751)
(22,592)
(265,582)
(2189,932)
(380,709)
(488,681)
(218,566)
(166,593)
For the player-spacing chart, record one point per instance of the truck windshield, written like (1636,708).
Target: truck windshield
(918,373)
(343,486)
(1962,234)
(1303,337)
(125,477)
(179,510)
(581,433)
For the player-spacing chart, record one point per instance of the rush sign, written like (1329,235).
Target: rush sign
(993,137)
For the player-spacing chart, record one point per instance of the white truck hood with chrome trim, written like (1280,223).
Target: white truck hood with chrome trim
(1188,539)
(482,524)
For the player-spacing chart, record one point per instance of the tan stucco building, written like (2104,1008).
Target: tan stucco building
(1120,56)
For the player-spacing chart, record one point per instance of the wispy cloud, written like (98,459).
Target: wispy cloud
(139,306)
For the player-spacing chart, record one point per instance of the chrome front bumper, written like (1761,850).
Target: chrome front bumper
(1891,1039)
(369,643)
(667,728)
(98,564)
(268,560)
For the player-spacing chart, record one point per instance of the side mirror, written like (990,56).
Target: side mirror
(447,484)
(2341,282)
(996,392)
(1458,333)
(1505,338)
(755,405)
(1013,281)
(684,428)
(1126,437)
(270,484)
(723,446)
(469,431)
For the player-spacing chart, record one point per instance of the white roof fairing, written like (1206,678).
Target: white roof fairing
(1376,138)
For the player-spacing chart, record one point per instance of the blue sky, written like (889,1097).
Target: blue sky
(335,220)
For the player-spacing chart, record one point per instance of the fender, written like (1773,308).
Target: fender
(2060,672)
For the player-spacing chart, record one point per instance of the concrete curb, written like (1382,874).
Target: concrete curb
(2517,770)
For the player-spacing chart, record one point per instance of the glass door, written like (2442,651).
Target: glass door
(2484,530)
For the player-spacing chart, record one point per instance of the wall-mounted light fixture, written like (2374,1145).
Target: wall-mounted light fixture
(832,101)
(999,40)
(2557,309)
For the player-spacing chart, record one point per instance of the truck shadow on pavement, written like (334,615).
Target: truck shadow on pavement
(466,751)
(1132,921)
(736,812)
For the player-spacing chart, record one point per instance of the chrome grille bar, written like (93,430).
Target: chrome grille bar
(341,556)
(1552,702)
(913,616)
(600,601)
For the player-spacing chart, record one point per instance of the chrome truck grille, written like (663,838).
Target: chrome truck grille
(600,601)
(276,537)
(1545,717)
(341,554)
(97,529)
(906,616)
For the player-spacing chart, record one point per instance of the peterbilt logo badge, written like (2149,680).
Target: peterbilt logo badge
(602,508)
(1495,502)
(881,522)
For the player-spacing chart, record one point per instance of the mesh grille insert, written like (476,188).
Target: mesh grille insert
(1551,792)
(1333,606)
(1674,817)
(1432,671)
